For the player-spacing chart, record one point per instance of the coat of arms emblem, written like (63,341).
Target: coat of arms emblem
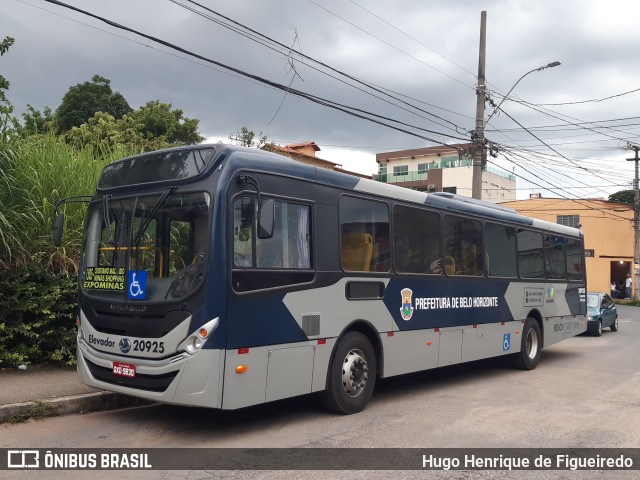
(406,310)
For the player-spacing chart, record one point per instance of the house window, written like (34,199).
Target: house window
(450,189)
(401,170)
(569,220)
(423,167)
(382,168)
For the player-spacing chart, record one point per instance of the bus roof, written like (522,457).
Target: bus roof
(238,157)
(255,159)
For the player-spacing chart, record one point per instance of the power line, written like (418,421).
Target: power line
(239,27)
(551,148)
(390,45)
(567,198)
(593,100)
(413,38)
(358,113)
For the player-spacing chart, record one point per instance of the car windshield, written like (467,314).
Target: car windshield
(593,301)
(148,248)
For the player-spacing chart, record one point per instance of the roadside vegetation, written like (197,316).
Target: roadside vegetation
(47,155)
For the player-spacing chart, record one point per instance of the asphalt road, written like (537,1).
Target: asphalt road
(584,393)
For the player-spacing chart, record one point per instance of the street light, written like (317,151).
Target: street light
(478,138)
(549,65)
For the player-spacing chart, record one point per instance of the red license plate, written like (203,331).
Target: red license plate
(124,369)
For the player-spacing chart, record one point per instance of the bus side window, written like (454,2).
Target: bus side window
(463,240)
(530,254)
(243,211)
(364,235)
(417,244)
(500,248)
(554,256)
(575,269)
(289,247)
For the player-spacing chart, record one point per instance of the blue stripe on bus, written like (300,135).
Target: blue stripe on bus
(436,302)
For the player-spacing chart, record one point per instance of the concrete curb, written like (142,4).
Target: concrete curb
(88,402)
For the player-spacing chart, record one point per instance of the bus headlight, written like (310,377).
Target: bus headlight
(194,342)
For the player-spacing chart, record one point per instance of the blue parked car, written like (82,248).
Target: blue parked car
(601,313)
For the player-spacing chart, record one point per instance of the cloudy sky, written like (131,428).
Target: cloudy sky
(412,62)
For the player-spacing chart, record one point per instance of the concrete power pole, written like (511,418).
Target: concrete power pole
(636,226)
(478,134)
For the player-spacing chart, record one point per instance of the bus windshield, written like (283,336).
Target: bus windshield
(161,238)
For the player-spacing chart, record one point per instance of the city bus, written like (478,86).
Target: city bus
(225,277)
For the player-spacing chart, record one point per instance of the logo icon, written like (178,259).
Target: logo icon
(506,342)
(125,345)
(23,458)
(550,292)
(137,283)
(406,310)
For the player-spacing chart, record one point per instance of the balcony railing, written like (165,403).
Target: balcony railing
(501,173)
(422,175)
(400,177)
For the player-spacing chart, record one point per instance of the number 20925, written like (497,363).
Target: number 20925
(148,346)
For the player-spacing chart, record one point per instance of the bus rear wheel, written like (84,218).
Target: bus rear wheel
(352,375)
(531,346)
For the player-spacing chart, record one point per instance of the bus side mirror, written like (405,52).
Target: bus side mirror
(266,218)
(58,227)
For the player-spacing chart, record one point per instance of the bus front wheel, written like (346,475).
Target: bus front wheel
(352,375)
(531,347)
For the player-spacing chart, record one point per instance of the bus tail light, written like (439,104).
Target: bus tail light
(194,342)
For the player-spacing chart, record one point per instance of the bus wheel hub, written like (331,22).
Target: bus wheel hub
(355,373)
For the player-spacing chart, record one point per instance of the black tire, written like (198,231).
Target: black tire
(351,395)
(614,325)
(598,330)
(530,347)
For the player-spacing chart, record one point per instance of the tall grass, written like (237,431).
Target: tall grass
(36,172)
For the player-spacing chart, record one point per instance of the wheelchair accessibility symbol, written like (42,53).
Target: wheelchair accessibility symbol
(506,343)
(137,284)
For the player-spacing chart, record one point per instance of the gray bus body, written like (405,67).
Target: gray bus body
(226,277)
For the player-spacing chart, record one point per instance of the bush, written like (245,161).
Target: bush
(37,316)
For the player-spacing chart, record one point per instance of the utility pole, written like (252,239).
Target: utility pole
(478,134)
(636,225)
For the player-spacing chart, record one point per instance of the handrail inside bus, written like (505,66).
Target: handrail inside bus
(147,248)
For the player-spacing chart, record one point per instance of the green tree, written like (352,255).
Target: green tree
(7,121)
(247,138)
(36,121)
(103,130)
(152,127)
(83,100)
(623,196)
(4,83)
(161,123)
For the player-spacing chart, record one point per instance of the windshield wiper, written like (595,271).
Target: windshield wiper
(107,220)
(107,217)
(195,160)
(147,221)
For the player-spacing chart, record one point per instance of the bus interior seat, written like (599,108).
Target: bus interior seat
(449,265)
(356,251)
(468,259)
